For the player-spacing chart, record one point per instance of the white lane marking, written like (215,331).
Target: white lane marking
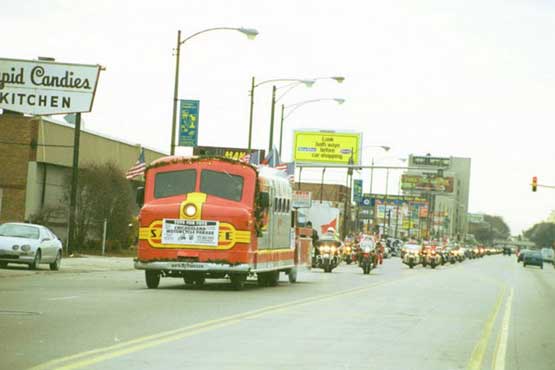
(63,298)
(499,359)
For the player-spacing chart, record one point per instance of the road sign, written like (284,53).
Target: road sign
(301,199)
(357,191)
(188,122)
(45,87)
(331,147)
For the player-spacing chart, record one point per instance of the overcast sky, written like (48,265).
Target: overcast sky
(473,79)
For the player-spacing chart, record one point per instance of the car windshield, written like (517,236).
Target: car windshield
(168,184)
(19,231)
(412,247)
(222,184)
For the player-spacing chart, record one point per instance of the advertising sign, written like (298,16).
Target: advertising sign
(331,147)
(475,218)
(430,161)
(357,191)
(188,122)
(301,199)
(190,232)
(231,153)
(43,87)
(436,184)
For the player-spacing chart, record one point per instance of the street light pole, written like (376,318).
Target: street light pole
(385,198)
(281,129)
(251,112)
(249,32)
(175,91)
(272,119)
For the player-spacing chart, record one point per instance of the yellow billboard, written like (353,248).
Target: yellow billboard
(329,147)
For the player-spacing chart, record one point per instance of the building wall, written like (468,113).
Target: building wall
(37,154)
(16,135)
(332,192)
(456,203)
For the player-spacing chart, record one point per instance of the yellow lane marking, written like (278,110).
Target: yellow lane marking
(501,353)
(141,346)
(138,344)
(477,356)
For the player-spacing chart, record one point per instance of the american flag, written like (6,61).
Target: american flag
(139,168)
(246,158)
(272,159)
(288,169)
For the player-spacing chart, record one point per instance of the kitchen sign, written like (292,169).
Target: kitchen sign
(43,87)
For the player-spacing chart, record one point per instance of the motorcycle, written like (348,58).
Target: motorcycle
(411,258)
(367,257)
(432,258)
(453,256)
(328,254)
(349,253)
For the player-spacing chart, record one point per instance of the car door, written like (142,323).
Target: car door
(47,245)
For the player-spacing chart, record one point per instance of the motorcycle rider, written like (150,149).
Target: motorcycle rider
(380,251)
(314,238)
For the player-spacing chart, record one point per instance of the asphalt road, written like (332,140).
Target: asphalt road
(489,313)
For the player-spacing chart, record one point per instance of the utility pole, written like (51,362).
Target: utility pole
(74,184)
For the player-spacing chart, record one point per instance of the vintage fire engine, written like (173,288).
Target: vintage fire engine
(215,218)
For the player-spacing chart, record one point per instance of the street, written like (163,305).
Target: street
(489,313)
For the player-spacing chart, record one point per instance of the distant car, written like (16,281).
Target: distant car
(520,255)
(533,258)
(29,244)
(548,255)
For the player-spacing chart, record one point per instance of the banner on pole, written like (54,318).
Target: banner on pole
(188,122)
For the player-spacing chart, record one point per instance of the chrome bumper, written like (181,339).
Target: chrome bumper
(191,266)
(17,256)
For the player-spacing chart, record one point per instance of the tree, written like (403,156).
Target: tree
(493,227)
(543,234)
(102,193)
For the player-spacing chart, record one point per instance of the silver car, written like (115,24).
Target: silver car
(29,244)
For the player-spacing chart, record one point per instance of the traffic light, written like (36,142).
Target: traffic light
(534,183)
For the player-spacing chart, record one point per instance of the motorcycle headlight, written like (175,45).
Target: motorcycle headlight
(26,248)
(366,249)
(348,249)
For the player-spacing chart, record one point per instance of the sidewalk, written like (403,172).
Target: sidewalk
(83,263)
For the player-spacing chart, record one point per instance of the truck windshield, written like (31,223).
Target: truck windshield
(168,184)
(222,184)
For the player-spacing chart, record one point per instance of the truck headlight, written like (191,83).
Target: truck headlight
(190,210)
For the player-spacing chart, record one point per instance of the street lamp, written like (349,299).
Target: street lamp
(294,83)
(296,106)
(249,32)
(386,149)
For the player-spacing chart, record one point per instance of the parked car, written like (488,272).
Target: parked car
(548,255)
(29,244)
(533,258)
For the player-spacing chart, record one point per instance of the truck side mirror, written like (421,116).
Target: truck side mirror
(140,196)
(264,199)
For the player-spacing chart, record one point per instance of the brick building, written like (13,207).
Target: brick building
(36,156)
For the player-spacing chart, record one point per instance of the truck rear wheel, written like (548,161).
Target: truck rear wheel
(152,278)
(238,281)
(292,275)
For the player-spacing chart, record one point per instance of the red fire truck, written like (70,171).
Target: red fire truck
(213,217)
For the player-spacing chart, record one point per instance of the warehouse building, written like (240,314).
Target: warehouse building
(36,154)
